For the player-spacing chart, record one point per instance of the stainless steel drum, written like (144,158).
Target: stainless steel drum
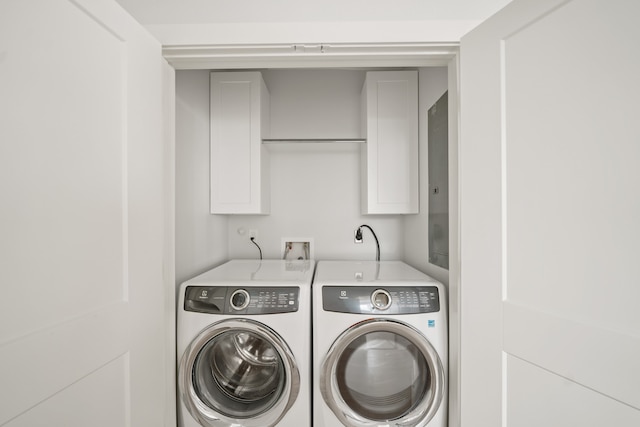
(245,366)
(238,370)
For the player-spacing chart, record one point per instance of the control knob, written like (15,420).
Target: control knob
(381,299)
(239,299)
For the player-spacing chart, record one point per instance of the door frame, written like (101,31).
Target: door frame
(370,56)
(319,55)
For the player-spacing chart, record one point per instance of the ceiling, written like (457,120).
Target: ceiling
(152,12)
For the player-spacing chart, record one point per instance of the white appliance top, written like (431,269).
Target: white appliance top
(257,272)
(342,272)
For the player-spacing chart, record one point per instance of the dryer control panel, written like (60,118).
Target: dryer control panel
(241,301)
(381,300)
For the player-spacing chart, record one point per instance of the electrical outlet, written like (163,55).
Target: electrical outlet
(355,237)
(253,234)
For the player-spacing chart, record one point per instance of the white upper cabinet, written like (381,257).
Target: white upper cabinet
(239,161)
(390,156)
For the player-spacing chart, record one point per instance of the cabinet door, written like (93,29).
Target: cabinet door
(390,156)
(239,162)
(549,216)
(86,312)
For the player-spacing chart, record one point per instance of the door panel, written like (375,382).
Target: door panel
(578,351)
(39,365)
(571,170)
(549,208)
(537,398)
(84,237)
(62,168)
(77,405)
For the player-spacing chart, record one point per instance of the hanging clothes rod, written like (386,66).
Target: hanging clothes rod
(311,140)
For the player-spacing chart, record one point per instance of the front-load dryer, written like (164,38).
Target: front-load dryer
(380,346)
(244,346)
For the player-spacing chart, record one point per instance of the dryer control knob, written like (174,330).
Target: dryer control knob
(381,299)
(239,299)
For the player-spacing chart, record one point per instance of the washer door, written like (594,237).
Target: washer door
(238,372)
(382,372)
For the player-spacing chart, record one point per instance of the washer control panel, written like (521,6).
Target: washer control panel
(381,300)
(241,301)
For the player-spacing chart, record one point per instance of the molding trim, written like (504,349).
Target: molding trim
(330,55)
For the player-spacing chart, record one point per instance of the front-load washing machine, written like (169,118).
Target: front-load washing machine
(244,346)
(380,346)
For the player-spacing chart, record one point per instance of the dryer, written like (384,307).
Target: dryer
(380,346)
(244,346)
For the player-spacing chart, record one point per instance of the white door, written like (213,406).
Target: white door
(550,216)
(85,304)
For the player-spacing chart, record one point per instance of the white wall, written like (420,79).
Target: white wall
(315,188)
(315,103)
(315,194)
(432,84)
(201,238)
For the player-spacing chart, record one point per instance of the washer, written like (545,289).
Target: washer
(244,346)
(380,346)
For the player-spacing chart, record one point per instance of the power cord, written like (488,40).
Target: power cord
(359,237)
(253,240)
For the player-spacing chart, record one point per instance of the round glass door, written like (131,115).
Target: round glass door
(238,370)
(382,371)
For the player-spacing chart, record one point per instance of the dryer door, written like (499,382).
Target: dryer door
(240,373)
(382,372)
